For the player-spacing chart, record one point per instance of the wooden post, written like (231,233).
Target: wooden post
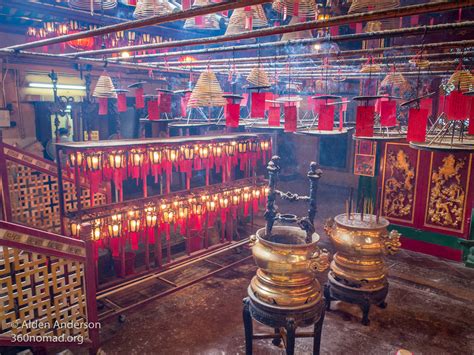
(5,201)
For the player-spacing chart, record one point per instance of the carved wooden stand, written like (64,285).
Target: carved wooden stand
(284,322)
(336,291)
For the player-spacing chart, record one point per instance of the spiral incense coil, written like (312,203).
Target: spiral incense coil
(93,5)
(370,68)
(207,92)
(461,80)
(209,22)
(395,80)
(104,87)
(239,23)
(296,35)
(148,8)
(258,77)
(370,5)
(306,8)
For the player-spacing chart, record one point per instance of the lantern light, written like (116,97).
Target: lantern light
(96,232)
(211,206)
(168,216)
(117,160)
(217,150)
(75,228)
(115,227)
(256,193)
(136,158)
(93,161)
(183,212)
(155,156)
(75,157)
(223,202)
(151,217)
(173,154)
(204,152)
(230,148)
(246,196)
(134,221)
(187,152)
(242,147)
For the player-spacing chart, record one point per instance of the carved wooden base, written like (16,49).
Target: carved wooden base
(335,291)
(284,323)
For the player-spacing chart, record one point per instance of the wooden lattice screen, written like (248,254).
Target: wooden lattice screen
(43,294)
(33,190)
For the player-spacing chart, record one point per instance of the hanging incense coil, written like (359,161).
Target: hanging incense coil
(296,35)
(148,8)
(207,92)
(258,77)
(93,5)
(105,87)
(419,62)
(370,68)
(395,80)
(462,80)
(239,21)
(370,5)
(206,22)
(306,8)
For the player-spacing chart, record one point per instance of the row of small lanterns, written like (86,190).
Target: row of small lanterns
(137,219)
(137,157)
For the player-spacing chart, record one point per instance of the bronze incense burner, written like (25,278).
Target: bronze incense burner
(358,273)
(285,294)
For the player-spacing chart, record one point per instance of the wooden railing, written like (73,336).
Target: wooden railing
(29,189)
(47,290)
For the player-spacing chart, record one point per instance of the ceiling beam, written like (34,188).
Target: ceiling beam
(311,25)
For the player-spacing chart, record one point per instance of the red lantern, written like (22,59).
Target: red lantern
(83,44)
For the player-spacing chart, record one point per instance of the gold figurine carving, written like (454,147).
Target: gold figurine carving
(446,199)
(399,188)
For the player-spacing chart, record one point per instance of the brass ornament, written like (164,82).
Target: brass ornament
(287,266)
(361,245)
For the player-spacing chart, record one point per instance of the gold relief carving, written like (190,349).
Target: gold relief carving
(399,188)
(446,199)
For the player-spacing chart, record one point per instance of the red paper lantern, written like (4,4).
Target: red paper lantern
(83,44)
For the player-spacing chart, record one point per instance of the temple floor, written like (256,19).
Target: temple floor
(430,308)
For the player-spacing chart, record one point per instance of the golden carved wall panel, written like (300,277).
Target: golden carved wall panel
(47,290)
(448,188)
(34,197)
(399,182)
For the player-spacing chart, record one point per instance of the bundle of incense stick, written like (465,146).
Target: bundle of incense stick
(378,198)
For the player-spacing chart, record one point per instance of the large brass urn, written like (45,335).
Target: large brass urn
(361,245)
(358,273)
(287,266)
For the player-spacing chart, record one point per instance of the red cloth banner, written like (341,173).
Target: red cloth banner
(269,96)
(153,110)
(139,101)
(165,103)
(296,8)
(388,113)
(198,20)
(258,105)
(184,104)
(103,106)
(274,116)
(457,106)
(428,105)
(326,117)
(122,102)
(417,122)
(186,4)
(471,118)
(365,121)
(291,114)
(232,115)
